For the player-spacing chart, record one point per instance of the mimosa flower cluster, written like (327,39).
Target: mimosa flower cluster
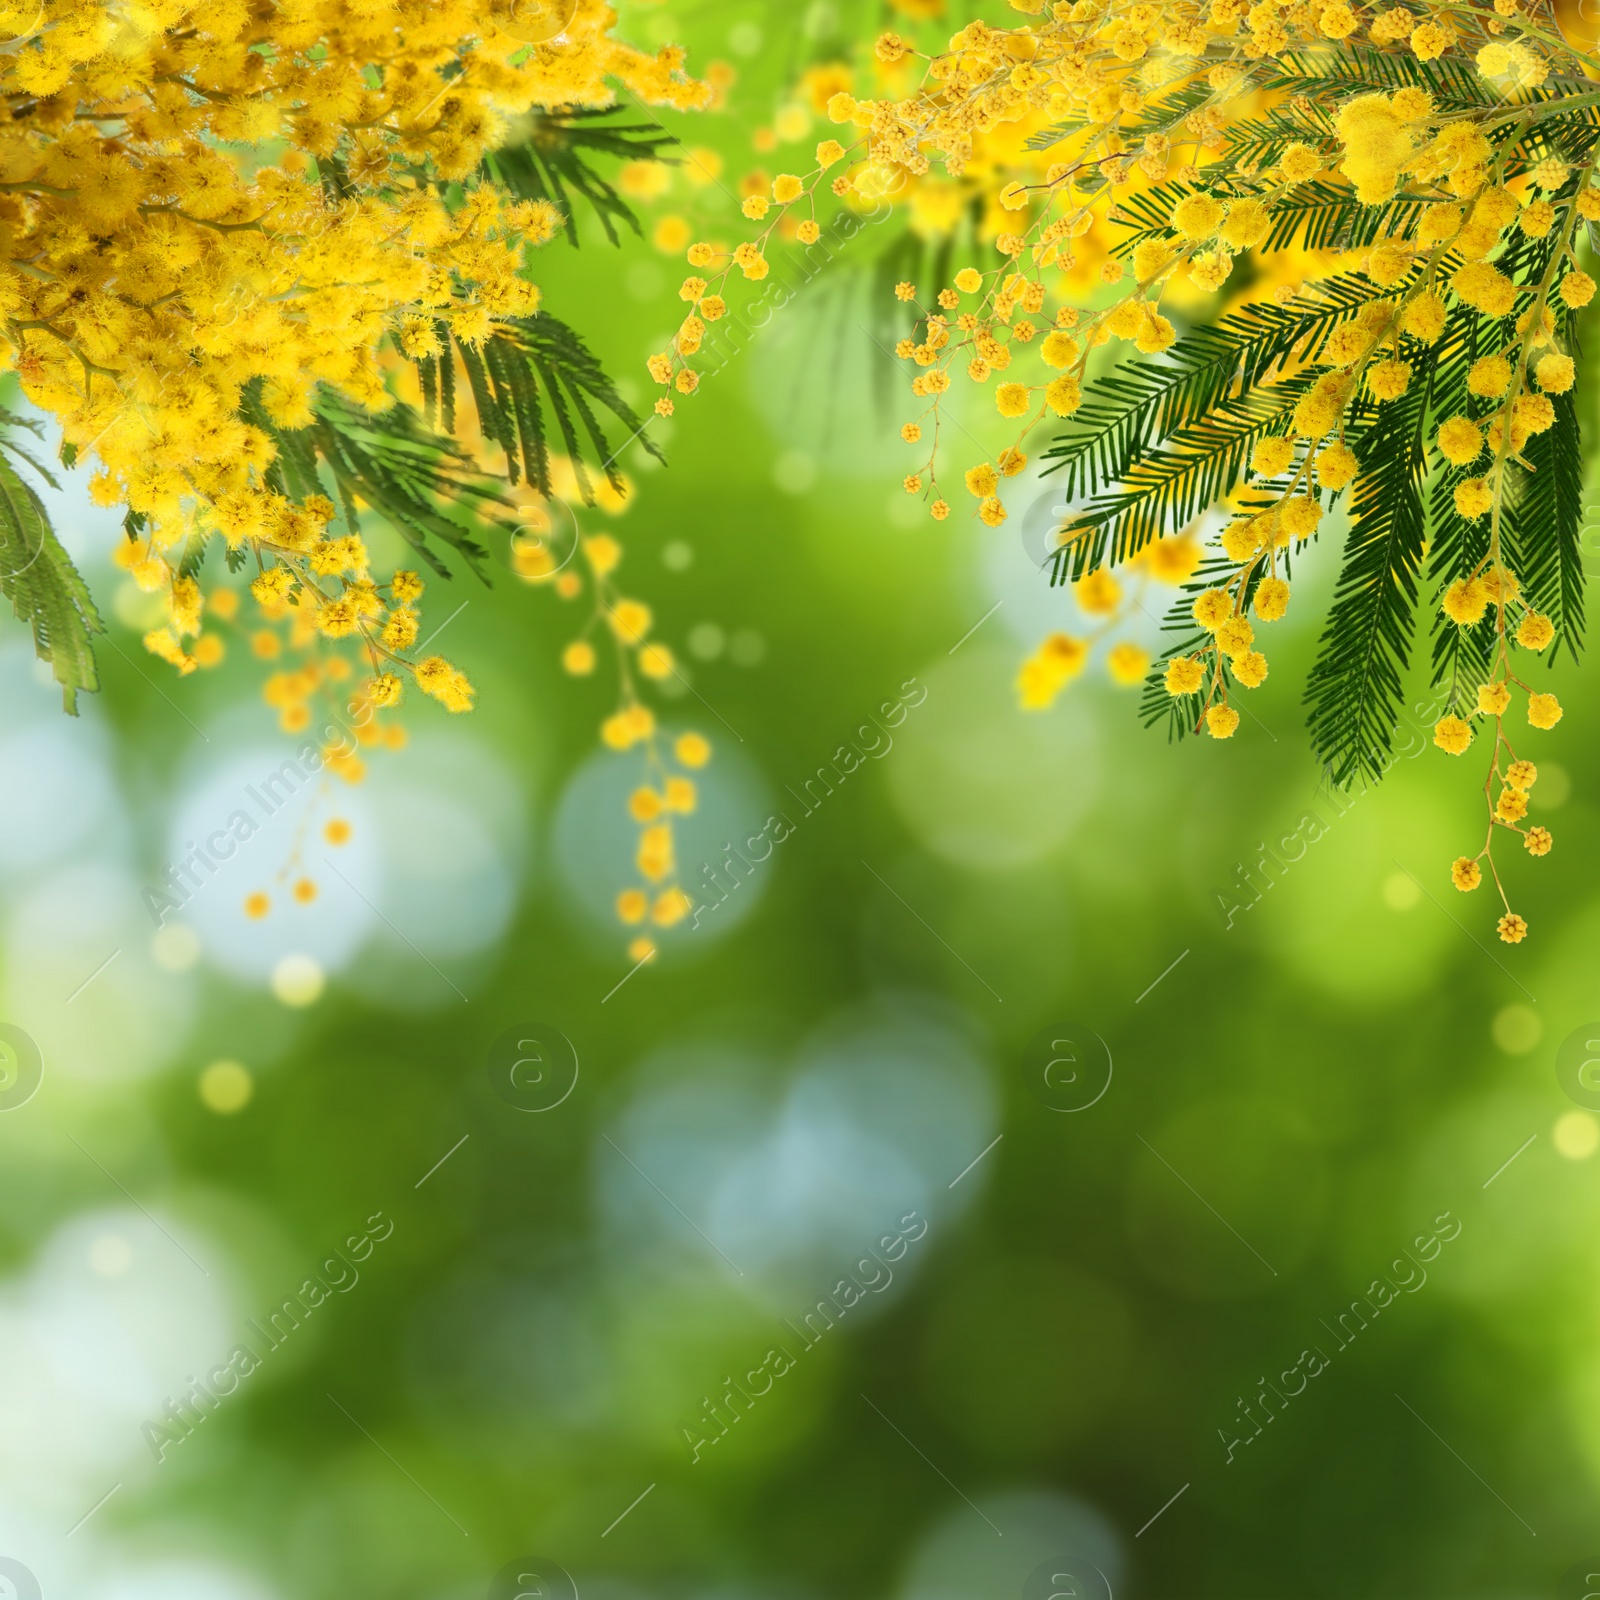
(553,551)
(219,219)
(166,293)
(1446,156)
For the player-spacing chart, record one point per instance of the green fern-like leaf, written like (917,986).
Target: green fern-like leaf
(1354,694)
(555,161)
(45,589)
(533,370)
(423,484)
(1157,441)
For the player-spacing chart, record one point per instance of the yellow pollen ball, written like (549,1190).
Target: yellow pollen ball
(1336,467)
(1473,497)
(1221,722)
(1489,377)
(1555,373)
(1271,599)
(1271,456)
(1459,441)
(1535,632)
(1184,675)
(1493,698)
(1465,601)
(1544,711)
(1012,399)
(1250,668)
(692,749)
(1212,608)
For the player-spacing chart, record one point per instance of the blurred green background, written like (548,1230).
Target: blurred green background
(1072,1310)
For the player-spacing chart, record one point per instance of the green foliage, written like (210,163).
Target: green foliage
(1331,74)
(556,161)
(423,484)
(38,578)
(527,365)
(1157,441)
(1354,693)
(395,463)
(1543,523)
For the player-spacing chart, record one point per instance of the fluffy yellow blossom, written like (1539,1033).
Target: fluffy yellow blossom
(1544,710)
(1465,601)
(1184,675)
(1198,216)
(1299,516)
(1485,288)
(1555,373)
(1459,441)
(1424,317)
(1271,456)
(1212,608)
(1489,377)
(1577,288)
(1336,467)
(1221,721)
(1012,399)
(1535,632)
(1377,143)
(1493,698)
(1235,636)
(1271,599)
(1250,668)
(1511,805)
(1064,395)
(1388,379)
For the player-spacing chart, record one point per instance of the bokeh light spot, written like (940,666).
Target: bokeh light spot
(110,1255)
(1553,789)
(226,1087)
(794,472)
(1400,891)
(706,640)
(175,948)
(1516,1029)
(1576,1135)
(297,980)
